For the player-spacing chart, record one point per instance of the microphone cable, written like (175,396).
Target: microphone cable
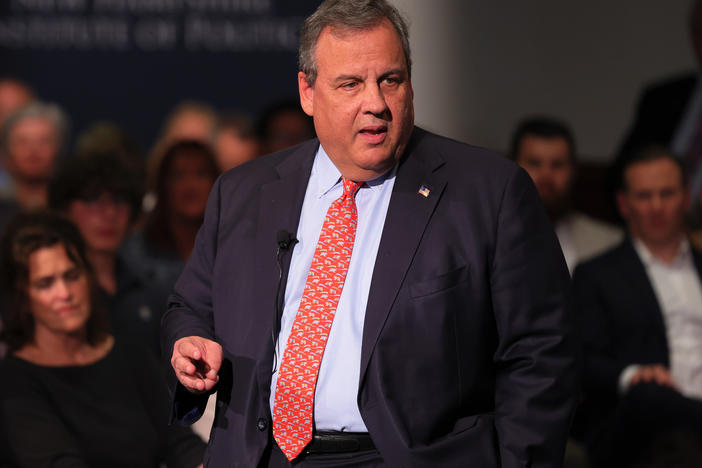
(285,241)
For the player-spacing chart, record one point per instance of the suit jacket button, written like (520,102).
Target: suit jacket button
(262,424)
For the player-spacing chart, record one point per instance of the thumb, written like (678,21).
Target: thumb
(213,356)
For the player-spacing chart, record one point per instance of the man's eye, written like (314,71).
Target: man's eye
(391,81)
(349,85)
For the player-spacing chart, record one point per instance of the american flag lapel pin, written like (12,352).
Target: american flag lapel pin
(424,191)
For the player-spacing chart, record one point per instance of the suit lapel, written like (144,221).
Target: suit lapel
(641,289)
(697,259)
(280,204)
(405,222)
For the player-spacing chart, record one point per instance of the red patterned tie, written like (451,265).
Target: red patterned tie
(294,394)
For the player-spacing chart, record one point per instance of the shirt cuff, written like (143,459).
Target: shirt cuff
(626,376)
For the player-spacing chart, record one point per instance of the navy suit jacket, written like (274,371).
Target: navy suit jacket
(621,324)
(661,108)
(467,356)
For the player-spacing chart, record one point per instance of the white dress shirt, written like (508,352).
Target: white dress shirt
(335,401)
(565,240)
(679,293)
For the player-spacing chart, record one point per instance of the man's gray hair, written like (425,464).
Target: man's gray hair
(352,15)
(37,110)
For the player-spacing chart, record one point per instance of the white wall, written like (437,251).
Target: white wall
(480,66)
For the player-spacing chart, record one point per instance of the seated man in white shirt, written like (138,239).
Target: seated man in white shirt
(640,312)
(545,148)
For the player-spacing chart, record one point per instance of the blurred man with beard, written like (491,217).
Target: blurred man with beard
(545,148)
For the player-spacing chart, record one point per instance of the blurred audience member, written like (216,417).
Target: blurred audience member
(183,183)
(639,307)
(190,120)
(13,96)
(78,396)
(31,141)
(282,125)
(545,148)
(106,137)
(184,180)
(670,114)
(100,194)
(8,209)
(235,141)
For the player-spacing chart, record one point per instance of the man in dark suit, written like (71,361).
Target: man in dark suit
(669,114)
(661,109)
(640,311)
(449,345)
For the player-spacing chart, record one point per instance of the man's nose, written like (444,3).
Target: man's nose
(541,175)
(374,100)
(656,203)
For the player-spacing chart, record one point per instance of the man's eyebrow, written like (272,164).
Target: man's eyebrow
(394,71)
(347,77)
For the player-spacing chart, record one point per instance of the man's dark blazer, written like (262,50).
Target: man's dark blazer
(661,108)
(467,355)
(621,323)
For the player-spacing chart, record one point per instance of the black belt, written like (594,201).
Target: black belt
(337,442)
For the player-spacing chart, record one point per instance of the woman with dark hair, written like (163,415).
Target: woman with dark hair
(72,395)
(99,192)
(183,182)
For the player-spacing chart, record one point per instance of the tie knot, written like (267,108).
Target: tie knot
(350,187)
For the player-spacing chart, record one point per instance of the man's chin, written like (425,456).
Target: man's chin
(378,163)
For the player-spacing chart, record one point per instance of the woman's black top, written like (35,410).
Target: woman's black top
(112,413)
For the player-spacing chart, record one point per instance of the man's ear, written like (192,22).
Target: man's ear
(306,94)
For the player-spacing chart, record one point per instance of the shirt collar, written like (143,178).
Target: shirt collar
(684,253)
(327,176)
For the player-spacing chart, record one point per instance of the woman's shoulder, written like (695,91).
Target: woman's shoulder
(12,365)
(21,379)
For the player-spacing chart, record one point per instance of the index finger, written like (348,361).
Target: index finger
(188,348)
